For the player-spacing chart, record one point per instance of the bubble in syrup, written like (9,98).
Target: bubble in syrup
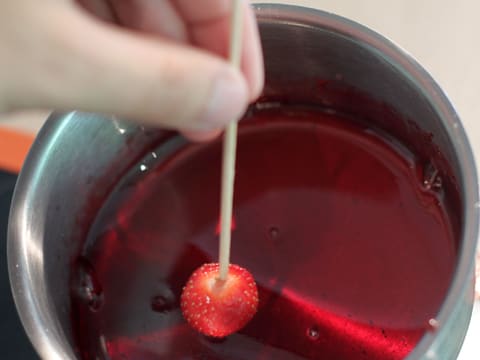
(160,304)
(164,301)
(437,183)
(273,232)
(313,332)
(88,286)
(143,167)
(433,324)
(432,180)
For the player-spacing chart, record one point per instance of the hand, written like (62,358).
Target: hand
(159,62)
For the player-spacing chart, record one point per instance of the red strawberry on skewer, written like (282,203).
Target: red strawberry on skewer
(215,307)
(220,299)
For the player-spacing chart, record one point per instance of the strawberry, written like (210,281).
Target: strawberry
(219,308)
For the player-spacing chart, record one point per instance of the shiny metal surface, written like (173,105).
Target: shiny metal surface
(78,157)
(64,176)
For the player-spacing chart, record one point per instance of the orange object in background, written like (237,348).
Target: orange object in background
(14,147)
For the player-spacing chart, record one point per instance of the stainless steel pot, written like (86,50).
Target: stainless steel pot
(79,157)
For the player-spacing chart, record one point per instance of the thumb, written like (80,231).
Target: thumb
(100,68)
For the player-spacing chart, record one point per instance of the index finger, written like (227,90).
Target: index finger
(208,23)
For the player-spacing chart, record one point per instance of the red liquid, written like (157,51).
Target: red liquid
(345,233)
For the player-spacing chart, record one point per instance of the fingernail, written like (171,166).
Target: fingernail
(227,102)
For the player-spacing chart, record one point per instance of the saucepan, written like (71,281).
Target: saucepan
(78,158)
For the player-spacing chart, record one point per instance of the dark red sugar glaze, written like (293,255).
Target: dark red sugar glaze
(345,231)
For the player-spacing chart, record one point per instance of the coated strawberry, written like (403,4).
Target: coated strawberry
(219,308)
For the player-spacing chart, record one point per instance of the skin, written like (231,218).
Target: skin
(158,62)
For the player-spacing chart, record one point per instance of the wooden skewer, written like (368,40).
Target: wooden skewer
(229,149)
